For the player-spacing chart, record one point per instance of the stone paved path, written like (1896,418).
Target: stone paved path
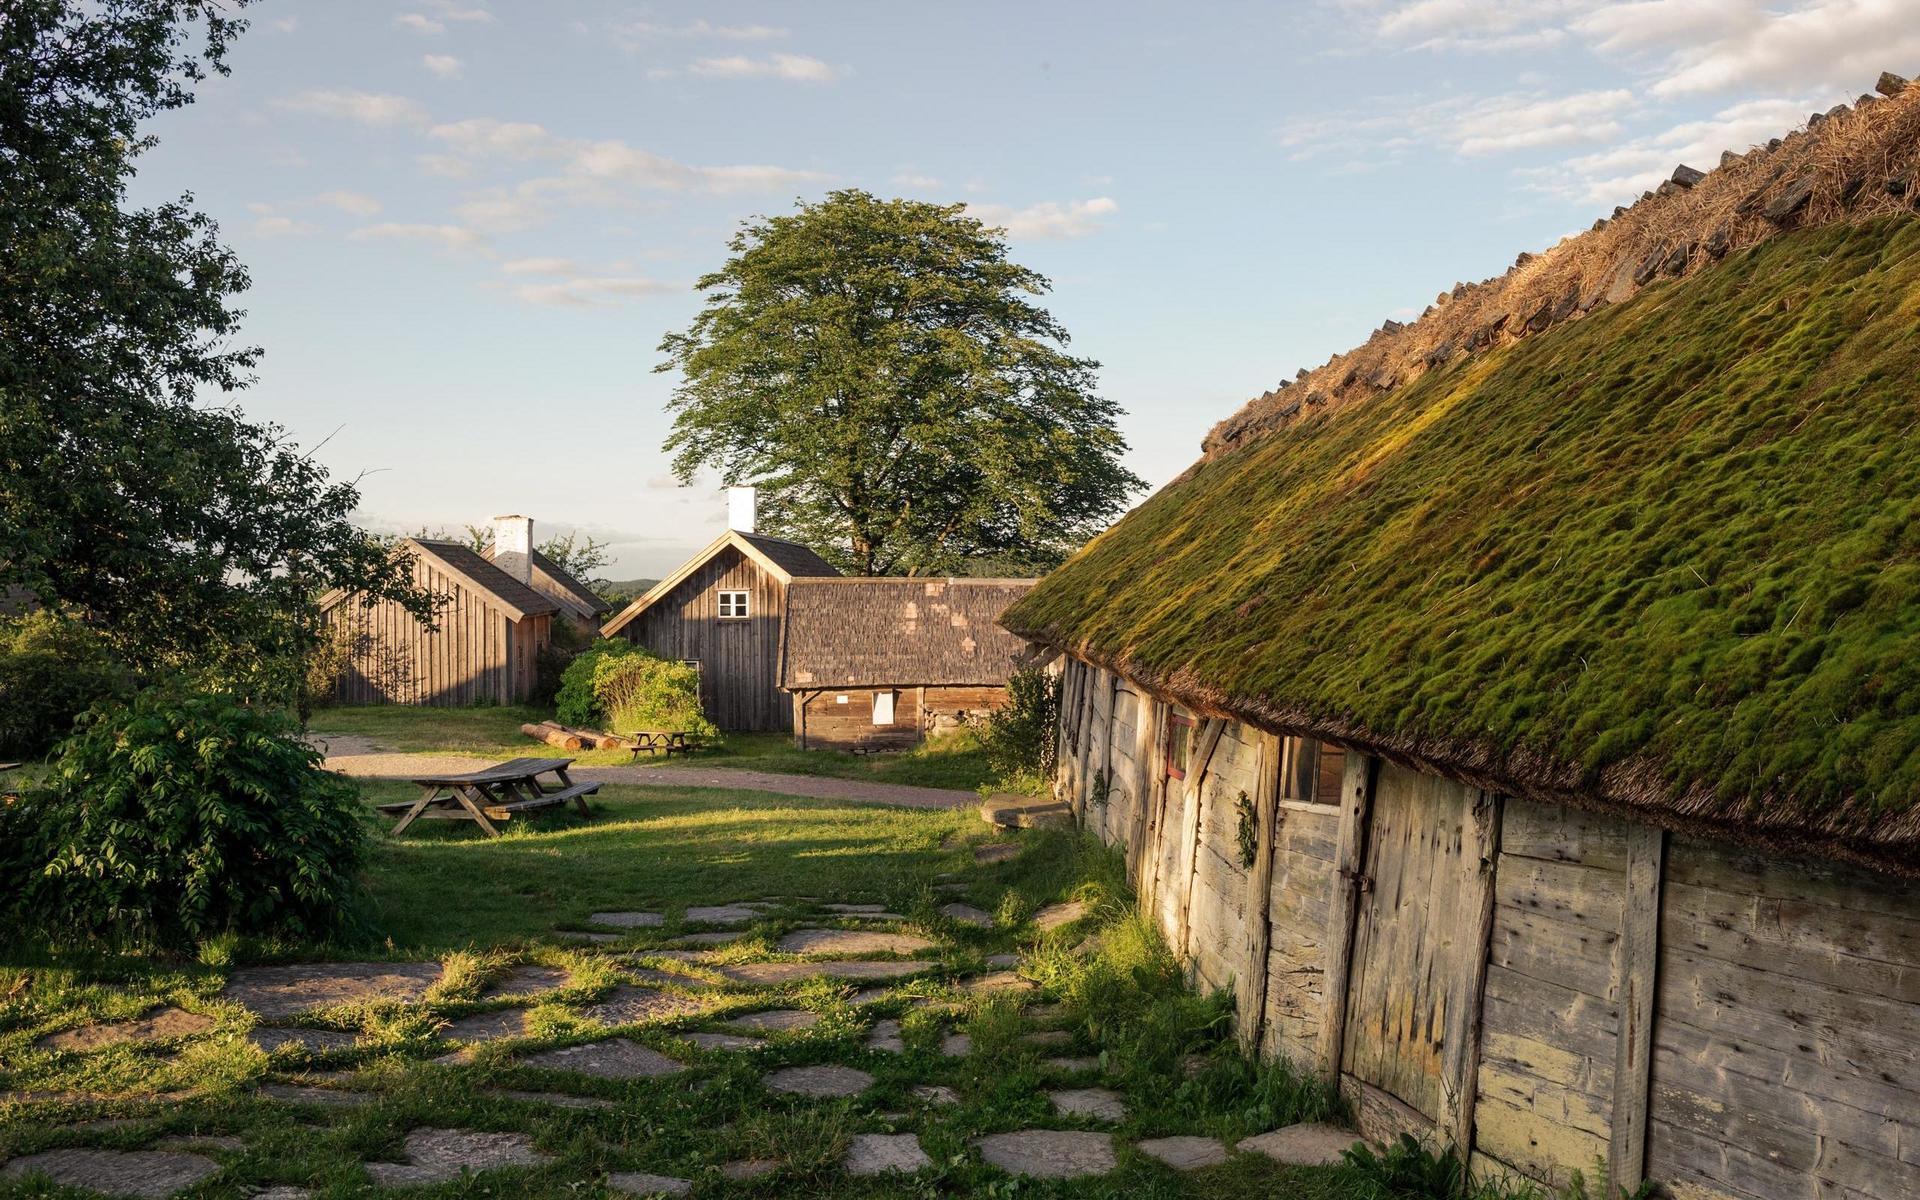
(143,1173)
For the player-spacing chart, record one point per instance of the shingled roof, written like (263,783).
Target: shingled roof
(786,560)
(463,560)
(893,632)
(1654,556)
(576,597)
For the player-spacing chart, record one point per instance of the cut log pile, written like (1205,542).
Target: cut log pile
(555,734)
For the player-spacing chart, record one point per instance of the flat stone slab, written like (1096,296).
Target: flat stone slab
(1009,811)
(851,941)
(528,979)
(285,991)
(627,1005)
(1185,1153)
(881,1153)
(154,1025)
(1053,916)
(1070,1064)
(748,1168)
(1003,961)
(555,1099)
(309,1041)
(723,1041)
(864,912)
(300,1093)
(284,1192)
(1099,1104)
(143,1173)
(722,914)
(639,1183)
(885,1037)
(996,852)
(487,1027)
(1048,1153)
(713,937)
(1309,1144)
(872,995)
(967,914)
(775,1020)
(627,920)
(956,1045)
(937,1094)
(437,1155)
(1000,981)
(822,1082)
(201,1141)
(794,972)
(611,1058)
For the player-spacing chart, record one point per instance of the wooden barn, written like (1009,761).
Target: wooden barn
(724,610)
(876,664)
(1517,713)
(513,551)
(483,647)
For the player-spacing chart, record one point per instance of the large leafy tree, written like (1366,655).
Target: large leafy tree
(132,492)
(879,368)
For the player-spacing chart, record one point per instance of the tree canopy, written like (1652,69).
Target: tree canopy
(133,492)
(880,370)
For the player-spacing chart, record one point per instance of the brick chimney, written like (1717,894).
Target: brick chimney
(742,509)
(513,546)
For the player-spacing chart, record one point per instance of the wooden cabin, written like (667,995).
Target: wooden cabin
(513,551)
(724,610)
(879,664)
(1516,713)
(483,647)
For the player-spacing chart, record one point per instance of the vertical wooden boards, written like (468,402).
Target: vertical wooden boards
(1635,986)
(739,657)
(1460,1043)
(1148,779)
(1187,859)
(1356,807)
(1083,747)
(1266,816)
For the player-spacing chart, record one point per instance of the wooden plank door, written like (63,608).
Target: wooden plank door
(1418,954)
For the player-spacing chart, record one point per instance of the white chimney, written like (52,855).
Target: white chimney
(742,505)
(513,546)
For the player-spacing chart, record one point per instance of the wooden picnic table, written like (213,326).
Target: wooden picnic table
(498,793)
(668,742)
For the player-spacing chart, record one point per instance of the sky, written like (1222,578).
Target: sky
(469,222)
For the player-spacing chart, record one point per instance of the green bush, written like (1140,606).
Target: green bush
(1021,737)
(574,702)
(52,669)
(179,816)
(617,686)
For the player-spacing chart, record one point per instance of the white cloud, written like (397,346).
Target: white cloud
(358,203)
(922,183)
(446,66)
(592,291)
(540,266)
(278,226)
(284,24)
(796,67)
(1840,43)
(1662,24)
(439,13)
(1618,174)
(644,30)
(447,237)
(365,108)
(419,23)
(1518,123)
(1049,219)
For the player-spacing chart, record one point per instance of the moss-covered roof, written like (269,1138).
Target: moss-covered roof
(1666,558)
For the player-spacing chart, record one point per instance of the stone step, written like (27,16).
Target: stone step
(1009,811)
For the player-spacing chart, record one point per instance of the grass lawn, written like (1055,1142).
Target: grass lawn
(478,907)
(955,761)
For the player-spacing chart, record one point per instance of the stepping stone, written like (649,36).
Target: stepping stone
(648,975)
(1185,1153)
(748,1168)
(996,852)
(610,1058)
(437,1155)
(1009,811)
(527,979)
(1000,981)
(776,1020)
(487,1027)
(851,941)
(951,889)
(201,1141)
(880,1153)
(300,1093)
(289,990)
(1053,916)
(936,1094)
(886,1038)
(820,1083)
(967,914)
(143,1173)
(715,937)
(1071,1065)
(1309,1144)
(585,935)
(722,914)
(639,1183)
(627,920)
(631,1005)
(1048,1153)
(864,912)
(723,1041)
(1003,960)
(555,1099)
(154,1025)
(772,973)
(1098,1104)
(872,995)
(683,956)
(284,1192)
(309,1041)
(956,1045)
(1049,1037)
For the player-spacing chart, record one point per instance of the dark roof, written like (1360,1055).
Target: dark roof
(1651,560)
(464,560)
(795,559)
(576,596)
(898,632)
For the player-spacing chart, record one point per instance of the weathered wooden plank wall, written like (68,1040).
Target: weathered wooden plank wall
(463,660)
(739,657)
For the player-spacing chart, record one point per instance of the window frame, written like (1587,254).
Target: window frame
(738,599)
(893,709)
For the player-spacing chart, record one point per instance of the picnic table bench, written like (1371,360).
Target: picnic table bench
(498,793)
(667,742)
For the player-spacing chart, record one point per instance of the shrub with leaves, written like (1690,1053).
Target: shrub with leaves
(617,686)
(179,816)
(52,669)
(1021,737)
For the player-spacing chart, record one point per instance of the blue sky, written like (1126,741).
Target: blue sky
(470,221)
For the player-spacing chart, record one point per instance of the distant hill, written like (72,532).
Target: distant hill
(624,592)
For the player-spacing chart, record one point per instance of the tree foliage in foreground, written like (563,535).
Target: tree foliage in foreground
(880,370)
(131,493)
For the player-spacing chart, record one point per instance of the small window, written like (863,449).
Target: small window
(691,662)
(733,605)
(1179,745)
(883,708)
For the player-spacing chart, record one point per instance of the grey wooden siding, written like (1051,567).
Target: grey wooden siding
(739,659)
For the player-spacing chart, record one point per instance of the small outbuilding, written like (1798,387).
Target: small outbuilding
(513,551)
(876,664)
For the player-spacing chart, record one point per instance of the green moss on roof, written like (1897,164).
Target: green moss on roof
(1668,555)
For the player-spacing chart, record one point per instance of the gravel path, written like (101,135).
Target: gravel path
(363,758)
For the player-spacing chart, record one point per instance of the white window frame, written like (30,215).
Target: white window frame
(884,702)
(734,605)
